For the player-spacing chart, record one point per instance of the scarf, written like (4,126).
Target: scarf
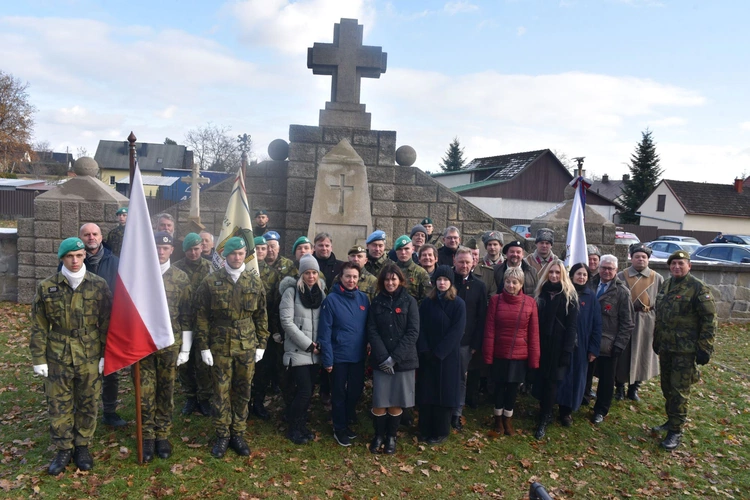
(552,288)
(94,259)
(74,278)
(311,298)
(164,267)
(234,273)
(580,288)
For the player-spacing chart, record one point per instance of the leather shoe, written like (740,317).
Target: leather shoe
(148,450)
(239,446)
(61,460)
(660,428)
(672,440)
(456,423)
(163,448)
(260,411)
(633,393)
(437,439)
(113,419)
(597,419)
(205,407)
(566,420)
(191,404)
(83,459)
(220,447)
(620,392)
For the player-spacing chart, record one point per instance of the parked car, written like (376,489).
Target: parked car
(738,239)
(625,238)
(686,239)
(522,229)
(663,249)
(723,252)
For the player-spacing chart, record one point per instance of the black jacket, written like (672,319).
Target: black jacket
(474,293)
(558,330)
(330,267)
(393,329)
(445,256)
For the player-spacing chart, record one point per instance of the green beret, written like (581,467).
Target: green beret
(260,240)
(472,244)
(234,243)
(123,210)
(260,212)
(426,220)
(401,242)
(191,239)
(679,254)
(69,245)
(300,241)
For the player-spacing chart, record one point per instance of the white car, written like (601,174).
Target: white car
(663,249)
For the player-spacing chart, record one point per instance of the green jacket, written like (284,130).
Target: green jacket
(685,317)
(70,326)
(285,267)
(271,279)
(417,280)
(374,266)
(231,317)
(114,239)
(195,271)
(179,301)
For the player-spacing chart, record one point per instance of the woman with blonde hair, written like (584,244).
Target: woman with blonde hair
(557,302)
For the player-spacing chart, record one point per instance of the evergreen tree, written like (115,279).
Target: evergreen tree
(644,175)
(454,157)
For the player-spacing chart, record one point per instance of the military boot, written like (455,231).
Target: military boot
(83,459)
(191,404)
(220,447)
(672,441)
(205,407)
(238,444)
(620,392)
(148,450)
(113,419)
(163,448)
(633,391)
(544,421)
(660,428)
(295,433)
(61,460)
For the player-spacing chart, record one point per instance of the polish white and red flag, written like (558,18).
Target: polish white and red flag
(139,324)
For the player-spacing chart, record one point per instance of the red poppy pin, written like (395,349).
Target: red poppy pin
(678,297)
(362,307)
(583,304)
(398,310)
(608,307)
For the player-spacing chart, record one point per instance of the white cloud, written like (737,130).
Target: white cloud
(167,113)
(745,126)
(291,27)
(460,7)
(670,121)
(521,30)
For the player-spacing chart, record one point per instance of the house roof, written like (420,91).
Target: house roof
(52,157)
(12,184)
(610,189)
(507,166)
(701,198)
(113,155)
(475,185)
(152,180)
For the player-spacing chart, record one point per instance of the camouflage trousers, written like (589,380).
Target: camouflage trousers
(195,376)
(678,373)
(158,372)
(268,370)
(73,402)
(232,376)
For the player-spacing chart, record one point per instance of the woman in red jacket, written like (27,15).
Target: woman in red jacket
(511,344)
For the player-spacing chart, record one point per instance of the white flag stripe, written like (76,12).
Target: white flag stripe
(576,239)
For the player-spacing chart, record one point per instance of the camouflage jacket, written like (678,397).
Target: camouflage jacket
(417,280)
(70,326)
(114,239)
(231,317)
(285,267)
(368,284)
(195,271)
(685,317)
(179,300)
(374,266)
(271,279)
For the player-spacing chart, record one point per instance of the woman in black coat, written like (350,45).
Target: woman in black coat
(557,302)
(392,330)
(442,319)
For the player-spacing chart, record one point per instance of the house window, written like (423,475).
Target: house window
(111,179)
(660,202)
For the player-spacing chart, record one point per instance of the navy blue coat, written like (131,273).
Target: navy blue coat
(342,326)
(570,390)
(441,327)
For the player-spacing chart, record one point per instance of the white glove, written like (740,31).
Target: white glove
(42,370)
(259,354)
(207,357)
(101,366)
(187,344)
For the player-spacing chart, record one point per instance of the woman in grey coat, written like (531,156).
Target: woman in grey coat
(299,311)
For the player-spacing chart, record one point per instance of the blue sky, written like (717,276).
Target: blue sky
(581,77)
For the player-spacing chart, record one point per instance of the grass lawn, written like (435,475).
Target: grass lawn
(619,459)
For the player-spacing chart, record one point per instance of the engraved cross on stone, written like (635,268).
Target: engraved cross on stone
(195,181)
(342,187)
(347,60)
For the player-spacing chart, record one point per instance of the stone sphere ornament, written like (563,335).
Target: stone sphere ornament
(406,156)
(86,165)
(278,150)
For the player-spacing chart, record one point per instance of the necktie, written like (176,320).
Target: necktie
(602,287)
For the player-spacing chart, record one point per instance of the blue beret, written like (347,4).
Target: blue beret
(272,235)
(377,235)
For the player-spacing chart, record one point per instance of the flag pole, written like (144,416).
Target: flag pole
(137,365)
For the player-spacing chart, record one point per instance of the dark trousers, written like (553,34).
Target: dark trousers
(347,383)
(303,378)
(547,388)
(267,371)
(434,420)
(505,395)
(325,382)
(589,380)
(110,388)
(606,368)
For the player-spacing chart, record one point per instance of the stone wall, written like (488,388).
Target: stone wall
(730,286)
(8,265)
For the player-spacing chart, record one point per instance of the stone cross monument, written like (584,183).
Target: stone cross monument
(348,61)
(195,180)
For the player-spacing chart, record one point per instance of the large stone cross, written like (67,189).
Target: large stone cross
(195,180)
(343,188)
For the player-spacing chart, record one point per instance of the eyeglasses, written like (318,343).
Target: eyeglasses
(452,237)
(607,268)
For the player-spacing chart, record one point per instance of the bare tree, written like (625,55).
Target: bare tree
(214,148)
(16,121)
(81,151)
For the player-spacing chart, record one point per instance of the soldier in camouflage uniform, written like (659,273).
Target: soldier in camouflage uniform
(284,266)
(268,369)
(232,330)
(195,376)
(159,369)
(417,281)
(377,257)
(684,336)
(368,284)
(114,238)
(70,318)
